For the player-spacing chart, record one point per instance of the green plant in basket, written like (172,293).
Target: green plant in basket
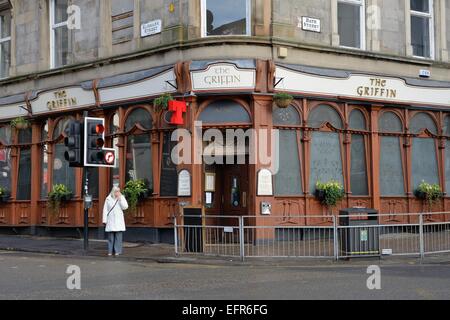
(330,193)
(20,123)
(283,100)
(429,192)
(162,102)
(135,191)
(60,194)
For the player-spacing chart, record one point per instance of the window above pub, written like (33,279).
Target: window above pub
(5,41)
(351,23)
(226,18)
(422,28)
(59,34)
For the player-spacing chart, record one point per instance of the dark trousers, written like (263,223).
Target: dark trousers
(115,242)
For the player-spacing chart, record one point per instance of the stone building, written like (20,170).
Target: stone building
(370,81)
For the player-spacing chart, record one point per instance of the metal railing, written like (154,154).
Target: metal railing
(312,236)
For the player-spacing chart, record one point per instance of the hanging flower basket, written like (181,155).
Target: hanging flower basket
(330,193)
(428,192)
(4,195)
(20,123)
(283,100)
(162,102)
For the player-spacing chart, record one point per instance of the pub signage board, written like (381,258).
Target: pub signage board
(223,76)
(63,99)
(361,86)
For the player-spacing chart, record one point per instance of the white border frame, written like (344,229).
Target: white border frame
(3,40)
(53,28)
(248,7)
(430,16)
(85,129)
(362,17)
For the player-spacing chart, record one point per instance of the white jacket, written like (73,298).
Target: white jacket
(115,221)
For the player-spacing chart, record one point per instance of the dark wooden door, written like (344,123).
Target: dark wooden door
(235,190)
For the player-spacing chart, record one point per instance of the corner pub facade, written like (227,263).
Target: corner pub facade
(361,114)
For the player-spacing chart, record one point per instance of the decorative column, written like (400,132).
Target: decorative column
(408,48)
(335,41)
(375,157)
(444,56)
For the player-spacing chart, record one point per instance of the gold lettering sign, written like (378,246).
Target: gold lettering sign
(377,88)
(222,77)
(62,100)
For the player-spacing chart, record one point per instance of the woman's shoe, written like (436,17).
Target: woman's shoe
(109,254)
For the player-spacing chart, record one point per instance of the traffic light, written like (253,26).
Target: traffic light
(95,154)
(74,144)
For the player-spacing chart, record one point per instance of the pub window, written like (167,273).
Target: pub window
(358,163)
(5,43)
(62,173)
(223,18)
(139,147)
(24,178)
(326,155)
(424,151)
(122,12)
(168,184)
(447,155)
(422,28)
(288,177)
(5,158)
(391,164)
(59,33)
(114,129)
(351,24)
(224,111)
(44,161)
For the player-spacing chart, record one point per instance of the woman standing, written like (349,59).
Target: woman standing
(114,220)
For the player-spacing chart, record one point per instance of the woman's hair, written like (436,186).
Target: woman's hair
(113,191)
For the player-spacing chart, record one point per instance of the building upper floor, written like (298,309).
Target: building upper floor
(55,35)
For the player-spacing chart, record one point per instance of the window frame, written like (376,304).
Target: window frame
(4,40)
(248,33)
(53,27)
(430,16)
(362,17)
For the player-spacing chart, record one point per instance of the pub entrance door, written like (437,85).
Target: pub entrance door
(230,194)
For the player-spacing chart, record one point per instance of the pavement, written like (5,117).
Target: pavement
(164,253)
(27,276)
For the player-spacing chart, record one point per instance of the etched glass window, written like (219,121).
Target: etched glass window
(390,122)
(424,162)
(322,114)
(139,149)
(288,177)
(224,111)
(115,172)
(231,17)
(422,121)
(169,176)
(326,159)
(24,178)
(44,162)
(286,116)
(62,173)
(358,167)
(5,158)
(446,128)
(391,168)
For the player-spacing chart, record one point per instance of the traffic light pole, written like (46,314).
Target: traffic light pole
(86,211)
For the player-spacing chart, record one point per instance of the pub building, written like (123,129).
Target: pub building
(378,135)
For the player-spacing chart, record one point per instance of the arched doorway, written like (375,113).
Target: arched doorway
(225,157)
